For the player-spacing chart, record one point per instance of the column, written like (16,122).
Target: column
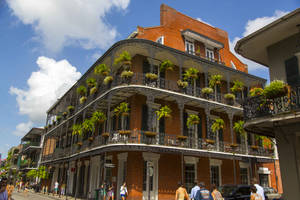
(181,107)
(86,178)
(228,82)
(108,114)
(122,160)
(230,116)
(150,102)
(180,67)
(78,178)
(207,113)
(206,76)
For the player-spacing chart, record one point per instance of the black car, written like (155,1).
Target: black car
(235,192)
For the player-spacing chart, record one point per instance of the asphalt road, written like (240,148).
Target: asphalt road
(30,195)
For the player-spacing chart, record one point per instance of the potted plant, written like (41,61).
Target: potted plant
(182,84)
(101,69)
(164,111)
(275,89)
(77,129)
(122,109)
(107,80)
(65,114)
(124,59)
(217,125)
(207,91)
(192,75)
(166,65)
(82,99)
(229,98)
(209,141)
(98,117)
(92,85)
(81,90)
(126,75)
(192,120)
(181,137)
(256,92)
(234,145)
(151,77)
(238,128)
(214,81)
(105,135)
(70,109)
(125,132)
(88,126)
(58,118)
(150,134)
(237,87)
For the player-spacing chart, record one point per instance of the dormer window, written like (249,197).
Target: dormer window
(160,40)
(189,47)
(209,54)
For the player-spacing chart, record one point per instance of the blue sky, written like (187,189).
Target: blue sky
(46,45)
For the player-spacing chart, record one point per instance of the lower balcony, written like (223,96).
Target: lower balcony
(159,140)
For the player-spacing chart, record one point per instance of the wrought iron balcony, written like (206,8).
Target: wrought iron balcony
(153,139)
(30,144)
(256,107)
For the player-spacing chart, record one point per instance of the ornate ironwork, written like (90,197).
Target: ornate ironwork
(256,107)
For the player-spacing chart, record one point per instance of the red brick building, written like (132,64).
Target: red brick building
(153,155)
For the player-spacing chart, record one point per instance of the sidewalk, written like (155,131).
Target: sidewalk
(41,194)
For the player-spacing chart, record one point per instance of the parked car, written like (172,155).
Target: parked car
(271,193)
(235,192)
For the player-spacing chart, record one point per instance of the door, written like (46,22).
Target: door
(150,180)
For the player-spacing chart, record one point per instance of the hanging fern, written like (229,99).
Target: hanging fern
(192,119)
(98,117)
(101,69)
(238,127)
(91,82)
(123,58)
(77,129)
(217,125)
(88,126)
(121,109)
(166,65)
(237,86)
(215,80)
(81,90)
(164,111)
(191,74)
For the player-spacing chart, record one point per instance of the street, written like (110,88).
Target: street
(30,195)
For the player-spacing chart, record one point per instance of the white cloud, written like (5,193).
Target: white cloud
(255,24)
(250,27)
(23,128)
(201,20)
(60,23)
(45,86)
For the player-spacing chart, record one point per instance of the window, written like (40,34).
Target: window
(108,171)
(291,70)
(215,175)
(160,40)
(264,180)
(209,54)
(145,178)
(189,174)
(244,175)
(189,47)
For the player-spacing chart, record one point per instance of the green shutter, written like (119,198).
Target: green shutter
(292,72)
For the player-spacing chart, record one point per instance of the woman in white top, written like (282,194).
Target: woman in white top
(123,191)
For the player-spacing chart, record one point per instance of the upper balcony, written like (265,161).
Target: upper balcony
(262,114)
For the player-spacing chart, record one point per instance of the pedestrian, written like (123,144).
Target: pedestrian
(123,191)
(62,189)
(21,185)
(102,191)
(203,194)
(194,190)
(3,191)
(10,188)
(25,191)
(181,193)
(259,189)
(254,195)
(56,185)
(215,193)
(110,193)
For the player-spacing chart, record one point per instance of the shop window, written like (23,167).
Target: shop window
(145,178)
(264,180)
(215,175)
(189,175)
(244,175)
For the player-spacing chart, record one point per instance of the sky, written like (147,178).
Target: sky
(45,46)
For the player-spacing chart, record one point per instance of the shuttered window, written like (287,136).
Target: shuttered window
(185,128)
(291,70)
(146,67)
(144,117)
(114,123)
(162,125)
(199,127)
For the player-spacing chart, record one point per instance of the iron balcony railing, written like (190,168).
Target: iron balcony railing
(158,139)
(30,144)
(259,106)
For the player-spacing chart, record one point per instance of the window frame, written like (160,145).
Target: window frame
(209,54)
(162,39)
(189,43)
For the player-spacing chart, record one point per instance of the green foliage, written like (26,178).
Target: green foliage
(126,74)
(215,80)
(77,129)
(217,125)
(32,173)
(182,84)
(58,118)
(123,57)
(207,90)
(276,88)
(151,76)
(237,86)
(91,82)
(98,116)
(229,96)
(101,69)
(81,90)
(191,74)
(42,172)
(256,92)
(238,127)
(107,80)
(88,126)
(164,111)
(122,108)
(166,65)
(192,119)
(70,108)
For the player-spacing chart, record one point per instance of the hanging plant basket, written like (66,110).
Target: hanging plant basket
(234,145)
(105,135)
(125,113)
(254,147)
(209,141)
(125,132)
(181,137)
(83,100)
(71,109)
(150,134)
(151,77)
(93,90)
(79,144)
(91,138)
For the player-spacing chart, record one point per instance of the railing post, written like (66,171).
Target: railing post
(230,116)
(207,113)
(149,102)
(108,114)
(205,77)
(228,82)
(181,107)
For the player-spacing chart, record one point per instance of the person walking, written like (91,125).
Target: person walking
(110,193)
(3,190)
(203,194)
(215,193)
(259,189)
(123,191)
(102,191)
(194,191)
(181,193)
(62,189)
(10,188)
(254,195)
(56,185)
